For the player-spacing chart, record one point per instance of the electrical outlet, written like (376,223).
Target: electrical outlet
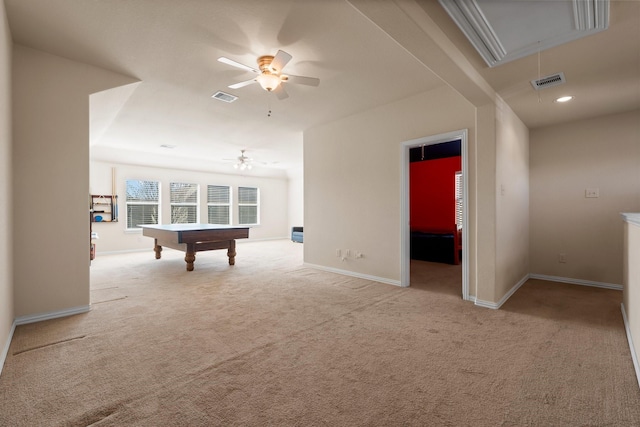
(592,193)
(562,258)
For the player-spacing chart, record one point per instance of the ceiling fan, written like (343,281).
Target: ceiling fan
(242,162)
(269,74)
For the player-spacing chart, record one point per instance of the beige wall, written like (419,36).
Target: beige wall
(482,213)
(114,237)
(631,280)
(512,200)
(51,179)
(6,280)
(602,153)
(352,179)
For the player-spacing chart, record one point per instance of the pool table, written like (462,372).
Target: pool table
(192,238)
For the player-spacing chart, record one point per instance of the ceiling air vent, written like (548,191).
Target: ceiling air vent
(548,81)
(223,96)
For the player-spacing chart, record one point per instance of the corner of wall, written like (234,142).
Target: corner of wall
(634,354)
(7,324)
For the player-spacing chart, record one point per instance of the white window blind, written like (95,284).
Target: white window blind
(219,204)
(143,200)
(248,206)
(458,185)
(184,202)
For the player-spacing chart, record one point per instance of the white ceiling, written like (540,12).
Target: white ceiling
(172,47)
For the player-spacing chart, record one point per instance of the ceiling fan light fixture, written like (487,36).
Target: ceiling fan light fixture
(268,81)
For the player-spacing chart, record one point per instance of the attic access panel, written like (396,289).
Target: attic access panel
(505,30)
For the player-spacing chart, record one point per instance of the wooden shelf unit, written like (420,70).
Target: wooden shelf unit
(105,206)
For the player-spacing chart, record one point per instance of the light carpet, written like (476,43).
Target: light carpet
(270,342)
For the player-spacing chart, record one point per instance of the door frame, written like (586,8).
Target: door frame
(405,231)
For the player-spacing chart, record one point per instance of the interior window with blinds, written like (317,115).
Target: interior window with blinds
(459,199)
(143,200)
(248,204)
(219,204)
(184,203)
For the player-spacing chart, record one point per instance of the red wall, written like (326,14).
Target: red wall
(432,193)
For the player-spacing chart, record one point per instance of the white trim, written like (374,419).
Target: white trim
(5,351)
(590,17)
(634,355)
(405,241)
(32,318)
(353,274)
(497,305)
(576,281)
(262,239)
(150,249)
(125,251)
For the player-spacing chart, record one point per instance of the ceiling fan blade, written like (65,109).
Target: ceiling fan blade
(280,92)
(242,84)
(281,59)
(302,80)
(237,64)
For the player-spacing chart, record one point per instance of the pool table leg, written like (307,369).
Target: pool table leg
(190,256)
(157,248)
(231,253)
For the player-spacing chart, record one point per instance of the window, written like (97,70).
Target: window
(458,185)
(184,203)
(248,212)
(143,200)
(219,204)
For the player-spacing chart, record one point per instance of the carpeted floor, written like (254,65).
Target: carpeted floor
(270,342)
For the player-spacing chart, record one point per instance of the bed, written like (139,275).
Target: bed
(437,244)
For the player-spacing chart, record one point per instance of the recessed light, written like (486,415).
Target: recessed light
(564,99)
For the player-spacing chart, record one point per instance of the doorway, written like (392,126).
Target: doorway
(405,240)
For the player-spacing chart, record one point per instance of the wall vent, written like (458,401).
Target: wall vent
(223,96)
(548,81)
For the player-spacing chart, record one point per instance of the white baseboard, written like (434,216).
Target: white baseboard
(497,305)
(354,274)
(32,318)
(124,251)
(576,281)
(262,239)
(634,355)
(150,248)
(5,350)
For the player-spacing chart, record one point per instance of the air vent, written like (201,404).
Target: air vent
(223,96)
(548,81)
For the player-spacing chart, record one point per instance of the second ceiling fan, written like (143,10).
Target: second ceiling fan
(269,74)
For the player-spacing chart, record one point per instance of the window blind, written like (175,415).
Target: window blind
(248,212)
(458,185)
(184,202)
(142,200)
(219,204)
